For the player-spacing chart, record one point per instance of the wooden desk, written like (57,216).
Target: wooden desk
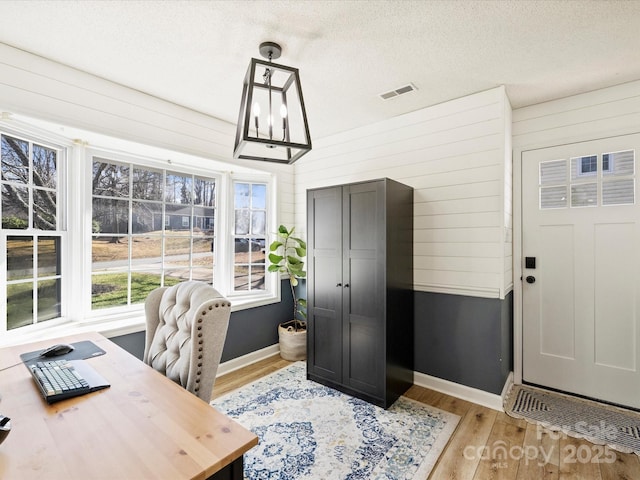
(143,427)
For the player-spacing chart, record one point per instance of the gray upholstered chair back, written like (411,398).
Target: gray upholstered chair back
(186,329)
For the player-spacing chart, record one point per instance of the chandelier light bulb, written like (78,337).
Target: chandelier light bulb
(283,114)
(256,114)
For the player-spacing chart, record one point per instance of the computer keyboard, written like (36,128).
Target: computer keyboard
(58,380)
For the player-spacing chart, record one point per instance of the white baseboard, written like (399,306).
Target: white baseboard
(486,399)
(245,360)
(507,386)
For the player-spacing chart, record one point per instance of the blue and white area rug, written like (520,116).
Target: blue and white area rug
(309,431)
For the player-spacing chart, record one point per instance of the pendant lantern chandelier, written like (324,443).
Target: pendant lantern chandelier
(272,124)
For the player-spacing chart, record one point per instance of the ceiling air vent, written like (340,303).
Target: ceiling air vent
(410,87)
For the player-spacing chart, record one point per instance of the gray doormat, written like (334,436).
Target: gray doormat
(576,417)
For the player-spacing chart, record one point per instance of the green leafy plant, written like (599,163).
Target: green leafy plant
(286,257)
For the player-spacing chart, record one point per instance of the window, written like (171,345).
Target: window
(588,165)
(587,185)
(133,223)
(31,230)
(151,227)
(250,227)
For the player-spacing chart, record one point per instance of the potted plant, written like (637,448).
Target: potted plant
(286,255)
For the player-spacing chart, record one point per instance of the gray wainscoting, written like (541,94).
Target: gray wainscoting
(467,340)
(249,330)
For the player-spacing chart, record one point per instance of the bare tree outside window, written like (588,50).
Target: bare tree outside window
(30,204)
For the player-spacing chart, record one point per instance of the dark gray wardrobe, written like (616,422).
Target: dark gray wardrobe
(360,289)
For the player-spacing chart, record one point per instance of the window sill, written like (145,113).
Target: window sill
(112,326)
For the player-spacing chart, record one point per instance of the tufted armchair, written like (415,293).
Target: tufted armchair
(186,329)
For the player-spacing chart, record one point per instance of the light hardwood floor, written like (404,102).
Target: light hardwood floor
(475,451)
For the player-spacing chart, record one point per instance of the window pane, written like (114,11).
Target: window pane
(44,167)
(15,160)
(142,283)
(147,184)
(109,290)
(618,192)
(203,259)
(48,299)
(241,195)
(257,250)
(19,305)
(110,179)
(44,209)
(257,278)
(48,256)
(15,207)
(19,258)
(176,215)
(172,277)
(111,215)
(176,251)
(258,221)
(619,163)
(146,252)
(242,222)
(109,252)
(258,196)
(203,220)
(179,189)
(202,246)
(241,277)
(586,166)
(146,217)
(584,195)
(553,197)
(204,192)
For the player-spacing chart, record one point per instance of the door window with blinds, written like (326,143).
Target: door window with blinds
(590,180)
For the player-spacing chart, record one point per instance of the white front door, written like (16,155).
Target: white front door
(581,228)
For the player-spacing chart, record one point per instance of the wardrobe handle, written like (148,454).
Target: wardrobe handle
(339,285)
(346,285)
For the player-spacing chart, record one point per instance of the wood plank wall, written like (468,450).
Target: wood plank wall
(45,90)
(457,157)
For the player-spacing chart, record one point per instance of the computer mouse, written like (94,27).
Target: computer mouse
(5,427)
(56,350)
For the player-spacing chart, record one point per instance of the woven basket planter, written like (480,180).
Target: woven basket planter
(293,345)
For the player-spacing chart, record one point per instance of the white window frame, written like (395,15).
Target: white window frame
(271,292)
(75,220)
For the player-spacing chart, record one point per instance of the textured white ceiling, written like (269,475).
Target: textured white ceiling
(195,53)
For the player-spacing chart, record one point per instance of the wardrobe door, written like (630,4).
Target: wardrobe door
(324,295)
(363,305)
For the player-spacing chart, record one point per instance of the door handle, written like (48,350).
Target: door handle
(346,285)
(339,285)
(531,279)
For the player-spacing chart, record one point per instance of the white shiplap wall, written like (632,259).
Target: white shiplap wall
(40,88)
(456,155)
(599,114)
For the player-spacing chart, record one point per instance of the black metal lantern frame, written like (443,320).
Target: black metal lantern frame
(272,90)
